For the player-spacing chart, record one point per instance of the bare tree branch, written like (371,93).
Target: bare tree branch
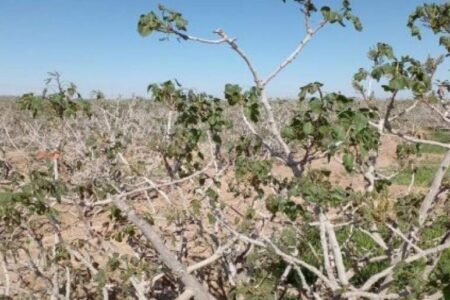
(167,257)
(310,33)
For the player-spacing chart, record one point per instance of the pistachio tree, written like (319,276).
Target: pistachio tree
(330,125)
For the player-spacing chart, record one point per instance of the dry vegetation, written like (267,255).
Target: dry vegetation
(189,196)
(84,242)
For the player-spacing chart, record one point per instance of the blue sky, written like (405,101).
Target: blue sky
(94,43)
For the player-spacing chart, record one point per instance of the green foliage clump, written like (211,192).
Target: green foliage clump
(196,115)
(436,16)
(64,103)
(332,16)
(249,100)
(30,198)
(169,22)
(405,73)
(331,124)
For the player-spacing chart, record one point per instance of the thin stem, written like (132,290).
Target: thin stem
(310,33)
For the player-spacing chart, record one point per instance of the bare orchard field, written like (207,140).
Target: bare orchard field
(62,234)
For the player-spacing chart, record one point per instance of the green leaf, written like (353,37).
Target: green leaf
(355,21)
(233,94)
(399,83)
(288,133)
(181,23)
(316,106)
(212,195)
(360,121)
(347,161)
(381,51)
(308,128)
(253,110)
(272,203)
(148,23)
(326,12)
(361,75)
(330,15)
(415,31)
(310,88)
(343,99)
